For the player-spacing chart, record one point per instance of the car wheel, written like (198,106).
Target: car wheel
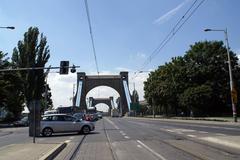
(85,129)
(47,132)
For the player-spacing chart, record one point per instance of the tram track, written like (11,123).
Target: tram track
(114,156)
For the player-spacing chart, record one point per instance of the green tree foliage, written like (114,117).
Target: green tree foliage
(11,90)
(198,81)
(47,102)
(32,51)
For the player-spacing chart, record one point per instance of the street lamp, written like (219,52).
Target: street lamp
(230,70)
(9,27)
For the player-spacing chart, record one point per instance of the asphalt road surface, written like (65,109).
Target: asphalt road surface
(142,139)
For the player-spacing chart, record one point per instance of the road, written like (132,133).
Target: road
(141,139)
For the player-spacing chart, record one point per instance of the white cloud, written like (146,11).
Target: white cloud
(170,13)
(62,88)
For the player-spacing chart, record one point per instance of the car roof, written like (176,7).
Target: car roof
(55,115)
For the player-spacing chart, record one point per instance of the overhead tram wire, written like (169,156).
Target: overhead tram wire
(91,34)
(171,34)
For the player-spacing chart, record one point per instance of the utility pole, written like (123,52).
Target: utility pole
(233,90)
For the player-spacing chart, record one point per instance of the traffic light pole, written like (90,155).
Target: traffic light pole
(34,68)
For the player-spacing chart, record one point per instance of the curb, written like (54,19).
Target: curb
(54,152)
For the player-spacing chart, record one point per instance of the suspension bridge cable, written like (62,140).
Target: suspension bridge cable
(171,34)
(91,34)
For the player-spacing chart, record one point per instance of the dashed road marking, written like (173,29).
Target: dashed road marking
(220,134)
(221,142)
(126,137)
(67,141)
(169,130)
(190,135)
(139,146)
(152,151)
(203,132)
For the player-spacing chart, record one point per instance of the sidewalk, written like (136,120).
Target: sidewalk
(31,151)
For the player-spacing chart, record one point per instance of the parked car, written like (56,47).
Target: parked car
(79,115)
(50,112)
(99,114)
(23,122)
(59,123)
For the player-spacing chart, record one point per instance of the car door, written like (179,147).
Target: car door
(69,123)
(58,123)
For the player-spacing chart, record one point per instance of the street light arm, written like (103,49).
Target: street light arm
(207,30)
(9,27)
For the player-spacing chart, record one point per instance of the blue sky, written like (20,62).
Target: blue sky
(125,32)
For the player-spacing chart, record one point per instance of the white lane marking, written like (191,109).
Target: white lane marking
(190,135)
(139,146)
(152,151)
(67,141)
(185,130)
(203,132)
(169,130)
(126,137)
(115,126)
(221,142)
(124,134)
(220,134)
(179,131)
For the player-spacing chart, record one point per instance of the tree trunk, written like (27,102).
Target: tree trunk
(34,104)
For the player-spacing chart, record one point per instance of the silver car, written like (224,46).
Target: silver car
(56,123)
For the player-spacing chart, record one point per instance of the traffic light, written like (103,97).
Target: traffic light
(64,66)
(73,69)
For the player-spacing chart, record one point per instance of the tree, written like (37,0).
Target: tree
(197,81)
(11,90)
(32,51)
(47,103)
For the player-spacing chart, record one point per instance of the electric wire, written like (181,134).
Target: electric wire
(171,34)
(91,34)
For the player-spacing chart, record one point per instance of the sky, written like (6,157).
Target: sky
(125,34)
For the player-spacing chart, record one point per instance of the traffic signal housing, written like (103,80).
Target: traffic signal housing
(64,67)
(73,69)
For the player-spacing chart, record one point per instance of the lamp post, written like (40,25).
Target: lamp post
(9,27)
(230,70)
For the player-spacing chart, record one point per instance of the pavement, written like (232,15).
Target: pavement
(30,151)
(131,139)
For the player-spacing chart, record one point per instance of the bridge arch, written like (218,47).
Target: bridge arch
(102,107)
(86,83)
